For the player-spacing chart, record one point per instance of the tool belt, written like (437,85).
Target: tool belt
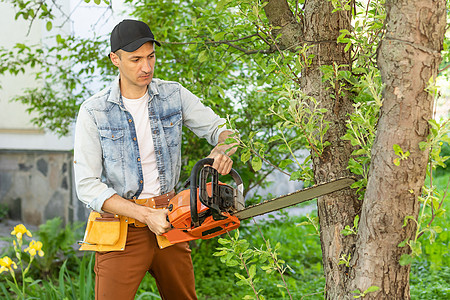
(108,232)
(155,202)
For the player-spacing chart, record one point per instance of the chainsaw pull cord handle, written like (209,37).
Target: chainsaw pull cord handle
(193,187)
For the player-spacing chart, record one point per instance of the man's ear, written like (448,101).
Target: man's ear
(115,59)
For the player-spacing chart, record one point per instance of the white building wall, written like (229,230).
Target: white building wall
(12,117)
(16,130)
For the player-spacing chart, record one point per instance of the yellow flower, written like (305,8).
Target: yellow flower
(19,230)
(35,247)
(6,263)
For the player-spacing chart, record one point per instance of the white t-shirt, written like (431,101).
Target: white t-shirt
(138,108)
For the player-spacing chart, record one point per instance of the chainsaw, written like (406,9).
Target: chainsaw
(210,208)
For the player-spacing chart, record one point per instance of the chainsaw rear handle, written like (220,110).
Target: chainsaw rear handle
(194,184)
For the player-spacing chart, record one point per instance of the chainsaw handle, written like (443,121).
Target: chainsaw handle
(193,180)
(193,186)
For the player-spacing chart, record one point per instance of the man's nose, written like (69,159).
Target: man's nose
(146,66)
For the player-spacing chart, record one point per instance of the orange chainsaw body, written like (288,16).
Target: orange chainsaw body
(180,217)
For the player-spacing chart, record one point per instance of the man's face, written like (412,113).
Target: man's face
(136,68)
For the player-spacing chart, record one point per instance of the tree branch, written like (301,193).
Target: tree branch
(281,17)
(227,42)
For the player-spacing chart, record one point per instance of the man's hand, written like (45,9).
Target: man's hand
(221,154)
(156,220)
(222,162)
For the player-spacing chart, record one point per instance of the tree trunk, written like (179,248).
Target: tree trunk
(340,208)
(320,30)
(408,57)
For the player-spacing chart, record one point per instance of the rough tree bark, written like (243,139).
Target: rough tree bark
(320,29)
(336,210)
(408,57)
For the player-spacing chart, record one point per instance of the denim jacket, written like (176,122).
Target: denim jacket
(106,152)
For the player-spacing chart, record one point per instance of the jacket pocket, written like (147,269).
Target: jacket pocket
(112,141)
(172,126)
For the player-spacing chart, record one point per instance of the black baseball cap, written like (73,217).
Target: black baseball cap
(129,35)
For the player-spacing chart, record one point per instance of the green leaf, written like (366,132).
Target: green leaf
(240,276)
(406,259)
(304,223)
(59,39)
(221,253)
(416,247)
(437,229)
(359,152)
(397,149)
(245,156)
(347,47)
(203,56)
(423,145)
(232,263)
(355,221)
(372,289)
(229,141)
(252,271)
(285,163)
(223,241)
(402,244)
(347,231)
(256,163)
(296,175)
(397,161)
(221,5)
(219,36)
(97,2)
(405,221)
(274,138)
(49,25)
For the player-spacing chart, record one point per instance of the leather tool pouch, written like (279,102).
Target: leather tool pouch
(105,232)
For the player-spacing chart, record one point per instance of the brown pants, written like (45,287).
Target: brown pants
(119,273)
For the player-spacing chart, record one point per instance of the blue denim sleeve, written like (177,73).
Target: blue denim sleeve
(88,163)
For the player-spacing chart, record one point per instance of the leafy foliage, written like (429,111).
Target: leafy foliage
(58,243)
(433,198)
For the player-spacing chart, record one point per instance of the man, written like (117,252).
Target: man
(128,152)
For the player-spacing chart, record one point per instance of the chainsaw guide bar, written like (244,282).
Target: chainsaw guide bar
(294,198)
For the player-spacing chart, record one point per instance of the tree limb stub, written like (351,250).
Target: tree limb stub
(280,15)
